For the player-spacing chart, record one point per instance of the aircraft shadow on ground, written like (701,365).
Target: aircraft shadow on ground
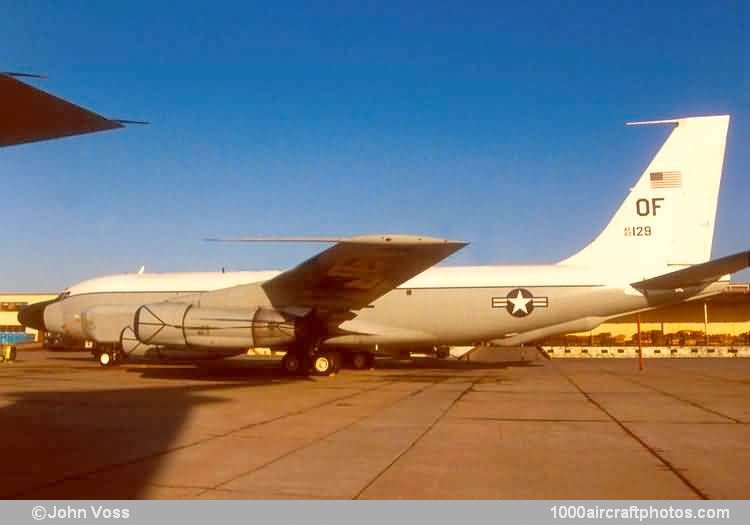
(75,358)
(101,443)
(248,375)
(267,371)
(247,371)
(452,364)
(93,444)
(263,373)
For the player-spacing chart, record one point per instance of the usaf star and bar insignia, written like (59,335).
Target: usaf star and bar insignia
(520,302)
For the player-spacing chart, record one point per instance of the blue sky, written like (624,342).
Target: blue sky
(497,124)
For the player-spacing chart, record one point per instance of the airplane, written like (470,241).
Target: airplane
(32,115)
(385,290)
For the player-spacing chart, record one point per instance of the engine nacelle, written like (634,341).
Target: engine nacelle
(104,323)
(179,325)
(132,347)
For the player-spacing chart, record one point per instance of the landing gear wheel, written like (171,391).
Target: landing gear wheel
(292,363)
(325,363)
(362,360)
(106,359)
(108,355)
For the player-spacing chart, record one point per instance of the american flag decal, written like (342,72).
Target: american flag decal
(666,179)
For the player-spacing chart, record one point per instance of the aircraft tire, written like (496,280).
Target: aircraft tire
(324,364)
(293,364)
(106,359)
(362,360)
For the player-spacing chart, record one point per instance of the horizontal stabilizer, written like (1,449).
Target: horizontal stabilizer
(698,274)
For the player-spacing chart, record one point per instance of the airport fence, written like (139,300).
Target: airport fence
(613,352)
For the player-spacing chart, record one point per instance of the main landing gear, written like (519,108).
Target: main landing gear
(323,363)
(326,363)
(292,363)
(362,360)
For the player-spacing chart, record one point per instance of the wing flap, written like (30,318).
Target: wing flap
(697,275)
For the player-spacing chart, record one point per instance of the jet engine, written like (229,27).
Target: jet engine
(180,325)
(132,347)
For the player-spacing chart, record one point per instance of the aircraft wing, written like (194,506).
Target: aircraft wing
(357,270)
(698,274)
(28,114)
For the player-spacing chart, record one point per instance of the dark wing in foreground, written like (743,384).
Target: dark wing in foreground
(356,271)
(697,275)
(28,114)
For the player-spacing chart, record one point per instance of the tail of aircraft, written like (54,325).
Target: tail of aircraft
(667,220)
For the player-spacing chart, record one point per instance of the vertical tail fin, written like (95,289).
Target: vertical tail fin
(667,220)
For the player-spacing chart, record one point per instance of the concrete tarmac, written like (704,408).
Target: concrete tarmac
(583,429)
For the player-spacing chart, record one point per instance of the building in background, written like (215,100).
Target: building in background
(719,325)
(11,331)
(723,320)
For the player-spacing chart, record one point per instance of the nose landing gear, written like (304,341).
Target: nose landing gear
(107,355)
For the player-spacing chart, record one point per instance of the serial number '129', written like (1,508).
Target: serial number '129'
(637,231)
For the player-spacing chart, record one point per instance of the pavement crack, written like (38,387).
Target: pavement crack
(653,451)
(319,438)
(114,466)
(676,397)
(530,419)
(416,440)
